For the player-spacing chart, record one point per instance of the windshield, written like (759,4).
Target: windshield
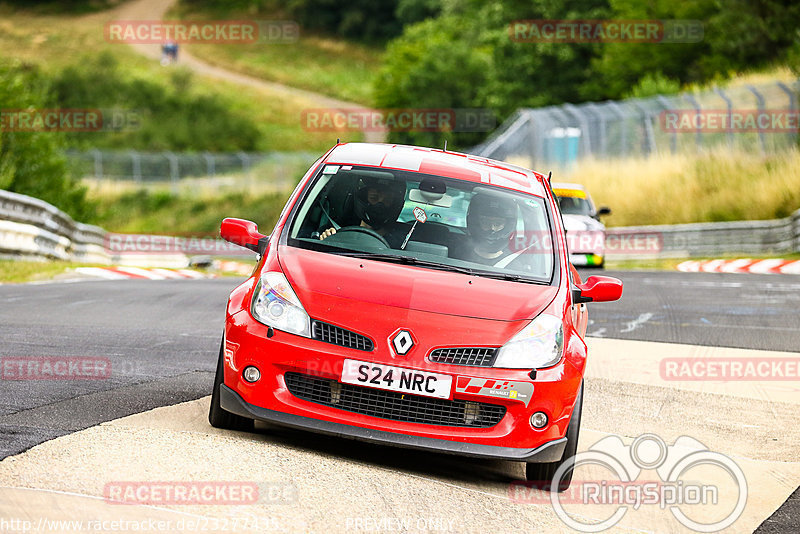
(574,202)
(425,220)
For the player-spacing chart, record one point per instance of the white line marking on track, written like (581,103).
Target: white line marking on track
(636,323)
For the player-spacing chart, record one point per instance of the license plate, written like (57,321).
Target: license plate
(388,377)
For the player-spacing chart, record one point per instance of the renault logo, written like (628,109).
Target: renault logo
(402,342)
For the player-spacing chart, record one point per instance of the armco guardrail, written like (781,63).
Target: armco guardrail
(779,236)
(30,227)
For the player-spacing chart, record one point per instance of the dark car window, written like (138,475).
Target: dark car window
(409,217)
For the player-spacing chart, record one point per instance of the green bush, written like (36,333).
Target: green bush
(32,163)
(167,115)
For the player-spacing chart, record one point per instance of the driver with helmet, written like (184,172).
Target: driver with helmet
(378,203)
(491,221)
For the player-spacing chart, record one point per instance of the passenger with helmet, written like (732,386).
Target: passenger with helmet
(491,221)
(378,203)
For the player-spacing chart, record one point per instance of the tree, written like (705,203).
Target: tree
(32,163)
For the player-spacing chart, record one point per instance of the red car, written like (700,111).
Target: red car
(413,297)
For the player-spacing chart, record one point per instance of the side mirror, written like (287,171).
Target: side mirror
(244,233)
(597,289)
(604,211)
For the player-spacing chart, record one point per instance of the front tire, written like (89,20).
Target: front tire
(540,475)
(218,417)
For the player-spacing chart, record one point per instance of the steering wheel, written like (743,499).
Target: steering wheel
(362,230)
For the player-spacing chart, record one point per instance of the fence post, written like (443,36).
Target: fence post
(729,104)
(210,168)
(761,107)
(698,137)
(173,170)
(245,159)
(792,106)
(623,126)
(648,128)
(601,128)
(136,164)
(98,163)
(585,136)
(673,139)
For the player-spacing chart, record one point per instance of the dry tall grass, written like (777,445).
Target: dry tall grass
(717,185)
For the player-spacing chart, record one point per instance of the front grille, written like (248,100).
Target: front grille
(474,356)
(393,405)
(339,336)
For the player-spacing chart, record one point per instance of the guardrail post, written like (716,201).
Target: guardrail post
(796,230)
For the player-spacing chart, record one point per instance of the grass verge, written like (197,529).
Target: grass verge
(55,42)
(18,271)
(711,186)
(161,212)
(333,67)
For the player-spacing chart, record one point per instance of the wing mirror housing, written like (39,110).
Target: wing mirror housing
(244,233)
(597,289)
(604,211)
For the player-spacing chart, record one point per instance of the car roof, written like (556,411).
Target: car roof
(449,164)
(567,185)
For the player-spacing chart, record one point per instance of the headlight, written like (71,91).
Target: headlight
(538,345)
(276,305)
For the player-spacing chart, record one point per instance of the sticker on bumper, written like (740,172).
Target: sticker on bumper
(521,391)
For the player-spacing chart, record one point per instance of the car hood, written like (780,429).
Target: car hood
(378,284)
(581,223)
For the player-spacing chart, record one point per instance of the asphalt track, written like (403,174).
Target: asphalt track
(161,339)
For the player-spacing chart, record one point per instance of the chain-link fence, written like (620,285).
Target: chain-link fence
(275,170)
(753,118)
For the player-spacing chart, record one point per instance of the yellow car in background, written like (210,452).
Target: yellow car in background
(586,235)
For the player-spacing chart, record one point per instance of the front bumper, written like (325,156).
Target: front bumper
(549,452)
(553,390)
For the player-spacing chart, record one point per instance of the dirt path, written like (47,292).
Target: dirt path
(155,10)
